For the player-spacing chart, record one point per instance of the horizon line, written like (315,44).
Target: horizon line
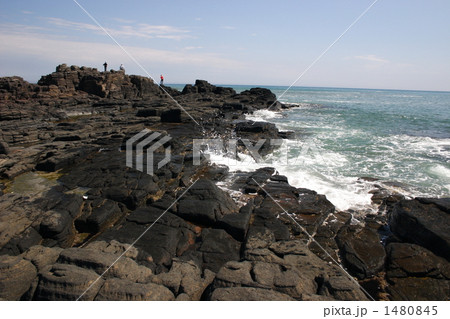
(317,87)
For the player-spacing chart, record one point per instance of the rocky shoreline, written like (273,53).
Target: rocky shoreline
(70,207)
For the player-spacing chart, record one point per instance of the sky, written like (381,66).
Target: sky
(397,44)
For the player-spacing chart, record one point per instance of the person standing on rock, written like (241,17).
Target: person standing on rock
(121,68)
(105,65)
(162,80)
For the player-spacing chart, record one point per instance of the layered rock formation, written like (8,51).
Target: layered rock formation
(77,223)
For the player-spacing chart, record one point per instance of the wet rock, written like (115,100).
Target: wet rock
(361,250)
(423,222)
(16,277)
(326,234)
(125,290)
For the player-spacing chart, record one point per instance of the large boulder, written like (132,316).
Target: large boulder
(16,276)
(286,267)
(415,273)
(67,283)
(205,204)
(217,248)
(361,250)
(424,222)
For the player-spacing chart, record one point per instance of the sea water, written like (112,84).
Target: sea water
(347,138)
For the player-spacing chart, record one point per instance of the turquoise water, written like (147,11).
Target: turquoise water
(401,138)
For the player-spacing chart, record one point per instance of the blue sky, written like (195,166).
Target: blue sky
(398,44)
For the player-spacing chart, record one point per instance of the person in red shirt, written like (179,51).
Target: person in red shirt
(162,80)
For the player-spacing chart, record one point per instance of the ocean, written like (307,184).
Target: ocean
(348,140)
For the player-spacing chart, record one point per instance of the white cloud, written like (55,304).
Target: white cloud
(58,50)
(20,28)
(141,30)
(125,21)
(228,27)
(192,48)
(371,58)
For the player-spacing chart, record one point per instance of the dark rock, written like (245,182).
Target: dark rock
(224,91)
(189,89)
(279,178)
(261,97)
(423,222)
(4,148)
(267,218)
(147,113)
(16,276)
(22,242)
(171,116)
(236,224)
(205,203)
(57,225)
(169,236)
(218,247)
(97,215)
(204,87)
(361,250)
(415,273)
(257,127)
(419,289)
(410,260)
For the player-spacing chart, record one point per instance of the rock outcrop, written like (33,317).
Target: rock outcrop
(77,221)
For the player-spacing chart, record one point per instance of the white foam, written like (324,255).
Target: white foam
(343,192)
(263,115)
